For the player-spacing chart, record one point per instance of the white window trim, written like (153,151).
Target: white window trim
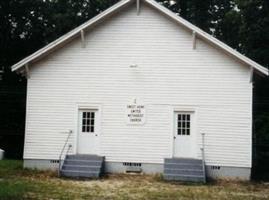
(90,114)
(185,127)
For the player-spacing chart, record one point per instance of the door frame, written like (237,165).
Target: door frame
(86,106)
(185,109)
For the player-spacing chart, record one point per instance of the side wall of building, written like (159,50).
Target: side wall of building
(169,75)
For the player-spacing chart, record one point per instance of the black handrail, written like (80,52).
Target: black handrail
(69,146)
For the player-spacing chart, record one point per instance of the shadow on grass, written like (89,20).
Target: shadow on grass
(12,189)
(13,168)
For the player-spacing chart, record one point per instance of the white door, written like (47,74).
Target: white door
(88,132)
(184,145)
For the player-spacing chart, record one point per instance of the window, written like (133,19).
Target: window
(183,124)
(88,121)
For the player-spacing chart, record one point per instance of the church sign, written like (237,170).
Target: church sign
(135,113)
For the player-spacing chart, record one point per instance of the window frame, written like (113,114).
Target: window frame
(88,121)
(183,124)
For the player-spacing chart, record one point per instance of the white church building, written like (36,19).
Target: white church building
(142,89)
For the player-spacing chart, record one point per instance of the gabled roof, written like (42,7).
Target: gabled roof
(117,7)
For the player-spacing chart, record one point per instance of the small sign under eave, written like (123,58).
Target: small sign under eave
(135,113)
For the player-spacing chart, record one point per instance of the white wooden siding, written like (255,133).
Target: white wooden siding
(169,74)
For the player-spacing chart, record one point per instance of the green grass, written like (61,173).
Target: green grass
(17,183)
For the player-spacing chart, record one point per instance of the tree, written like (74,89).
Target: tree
(254,29)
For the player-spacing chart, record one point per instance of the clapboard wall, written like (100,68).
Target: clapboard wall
(170,74)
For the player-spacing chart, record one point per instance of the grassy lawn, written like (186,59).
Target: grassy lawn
(16,183)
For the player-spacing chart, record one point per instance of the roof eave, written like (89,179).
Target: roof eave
(206,36)
(69,35)
(185,23)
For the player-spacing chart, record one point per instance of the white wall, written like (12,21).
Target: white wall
(169,74)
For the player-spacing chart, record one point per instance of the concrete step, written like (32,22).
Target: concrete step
(84,157)
(183,161)
(184,172)
(79,174)
(183,166)
(83,162)
(81,168)
(183,169)
(188,178)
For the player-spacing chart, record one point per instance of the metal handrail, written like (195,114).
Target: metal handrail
(203,155)
(62,151)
